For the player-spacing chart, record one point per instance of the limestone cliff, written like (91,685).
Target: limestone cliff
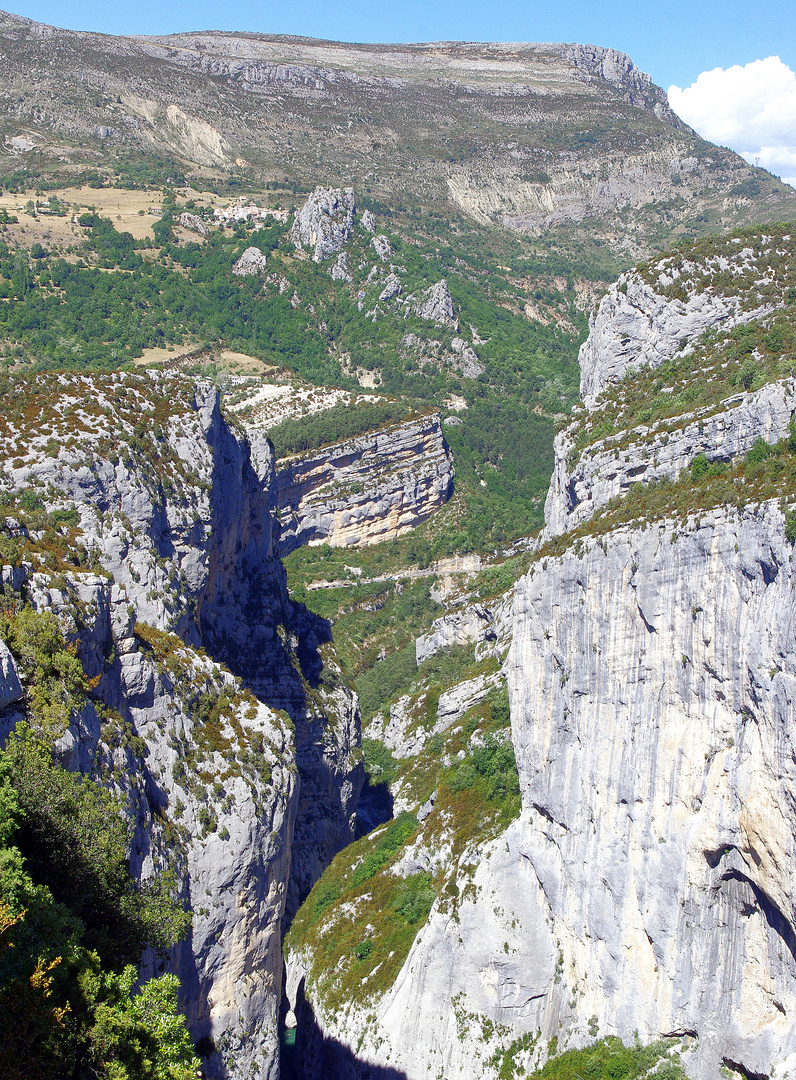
(169,550)
(691,317)
(366,490)
(652,699)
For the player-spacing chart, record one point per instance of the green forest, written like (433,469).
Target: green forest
(102,303)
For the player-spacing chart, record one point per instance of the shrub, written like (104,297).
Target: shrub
(699,466)
(759,452)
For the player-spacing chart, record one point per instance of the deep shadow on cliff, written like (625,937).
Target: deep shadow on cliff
(315,1057)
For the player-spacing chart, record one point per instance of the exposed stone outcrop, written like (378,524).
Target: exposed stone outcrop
(194,223)
(406,737)
(595,62)
(324,222)
(467,363)
(368,221)
(462,994)
(252,261)
(436,304)
(183,524)
(610,466)
(652,689)
(365,490)
(382,247)
(341,271)
(392,288)
(474,623)
(10,686)
(635,327)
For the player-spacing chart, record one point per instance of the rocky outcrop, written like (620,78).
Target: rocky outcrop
(466,990)
(607,469)
(366,490)
(194,223)
(325,222)
(252,262)
(182,523)
(382,247)
(636,327)
(466,361)
(406,735)
(476,623)
(652,689)
(341,271)
(392,288)
(10,686)
(594,62)
(436,304)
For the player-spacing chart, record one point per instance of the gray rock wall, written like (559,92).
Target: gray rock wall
(635,326)
(365,490)
(324,222)
(652,689)
(607,468)
(182,519)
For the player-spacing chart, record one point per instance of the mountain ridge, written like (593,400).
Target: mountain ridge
(532,138)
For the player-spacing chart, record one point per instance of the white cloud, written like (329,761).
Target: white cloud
(751,109)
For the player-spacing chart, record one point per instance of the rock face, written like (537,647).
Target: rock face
(324,222)
(10,686)
(652,693)
(610,466)
(459,982)
(636,327)
(183,524)
(252,262)
(194,223)
(392,288)
(477,622)
(341,271)
(640,326)
(382,247)
(437,305)
(366,490)
(646,890)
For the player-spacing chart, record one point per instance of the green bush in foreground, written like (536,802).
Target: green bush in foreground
(73,920)
(608,1059)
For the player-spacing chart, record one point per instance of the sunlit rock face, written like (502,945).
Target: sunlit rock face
(652,682)
(184,612)
(365,490)
(325,222)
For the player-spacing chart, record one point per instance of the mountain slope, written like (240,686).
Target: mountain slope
(531,137)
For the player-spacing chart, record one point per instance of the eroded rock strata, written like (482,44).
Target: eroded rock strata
(646,888)
(368,489)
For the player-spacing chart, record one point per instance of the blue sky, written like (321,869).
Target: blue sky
(674,42)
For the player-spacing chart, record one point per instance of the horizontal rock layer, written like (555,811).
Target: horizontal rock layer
(606,469)
(365,490)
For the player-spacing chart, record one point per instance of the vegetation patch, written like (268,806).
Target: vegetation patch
(360,920)
(609,1058)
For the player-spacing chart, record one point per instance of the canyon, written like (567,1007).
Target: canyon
(447,786)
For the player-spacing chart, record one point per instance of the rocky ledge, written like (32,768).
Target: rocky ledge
(364,490)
